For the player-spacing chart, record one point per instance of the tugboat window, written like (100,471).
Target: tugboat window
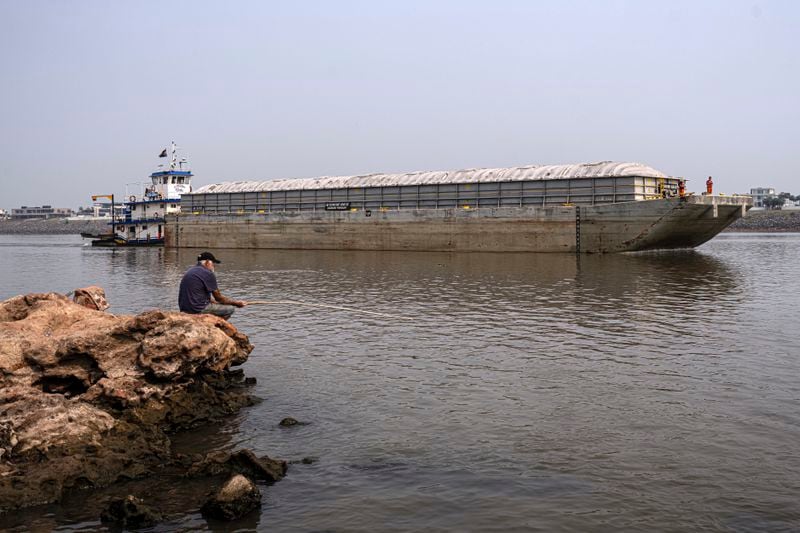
(144,227)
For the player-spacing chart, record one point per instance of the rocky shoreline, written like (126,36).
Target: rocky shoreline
(89,399)
(767,222)
(53,226)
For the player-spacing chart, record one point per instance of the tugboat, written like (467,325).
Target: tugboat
(142,223)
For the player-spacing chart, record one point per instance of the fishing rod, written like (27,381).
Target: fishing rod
(294,302)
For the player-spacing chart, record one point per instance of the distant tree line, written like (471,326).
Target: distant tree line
(776,202)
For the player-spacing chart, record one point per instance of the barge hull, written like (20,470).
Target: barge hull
(620,227)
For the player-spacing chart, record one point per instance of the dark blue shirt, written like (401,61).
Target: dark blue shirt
(196,287)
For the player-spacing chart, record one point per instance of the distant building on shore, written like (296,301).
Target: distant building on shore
(3,214)
(45,211)
(790,205)
(761,193)
(100,210)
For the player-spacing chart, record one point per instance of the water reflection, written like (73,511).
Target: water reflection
(357,277)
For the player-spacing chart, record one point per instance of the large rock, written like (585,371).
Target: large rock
(241,462)
(237,497)
(87,397)
(130,513)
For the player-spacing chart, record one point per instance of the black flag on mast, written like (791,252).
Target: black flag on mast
(163,153)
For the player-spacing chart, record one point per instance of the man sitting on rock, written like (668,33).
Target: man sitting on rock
(199,285)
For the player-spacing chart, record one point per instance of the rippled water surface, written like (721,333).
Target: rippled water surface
(541,392)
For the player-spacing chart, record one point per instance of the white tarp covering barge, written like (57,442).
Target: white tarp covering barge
(603,169)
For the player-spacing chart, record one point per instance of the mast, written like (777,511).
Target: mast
(174,159)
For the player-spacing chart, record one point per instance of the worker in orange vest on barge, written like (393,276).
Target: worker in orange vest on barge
(681,188)
(709,186)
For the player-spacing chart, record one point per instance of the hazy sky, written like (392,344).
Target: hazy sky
(92,91)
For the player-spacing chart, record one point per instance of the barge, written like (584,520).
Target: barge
(584,208)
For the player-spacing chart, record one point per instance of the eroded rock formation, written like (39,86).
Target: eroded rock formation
(88,398)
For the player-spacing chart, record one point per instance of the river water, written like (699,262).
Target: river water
(530,392)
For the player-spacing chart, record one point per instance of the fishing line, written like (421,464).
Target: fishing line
(293,302)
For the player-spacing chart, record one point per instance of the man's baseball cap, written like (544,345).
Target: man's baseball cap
(208,256)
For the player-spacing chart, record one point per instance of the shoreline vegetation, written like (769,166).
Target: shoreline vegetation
(90,400)
(756,221)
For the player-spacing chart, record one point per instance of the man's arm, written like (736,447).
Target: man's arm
(220,299)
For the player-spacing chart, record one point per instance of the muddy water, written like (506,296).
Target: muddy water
(529,392)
